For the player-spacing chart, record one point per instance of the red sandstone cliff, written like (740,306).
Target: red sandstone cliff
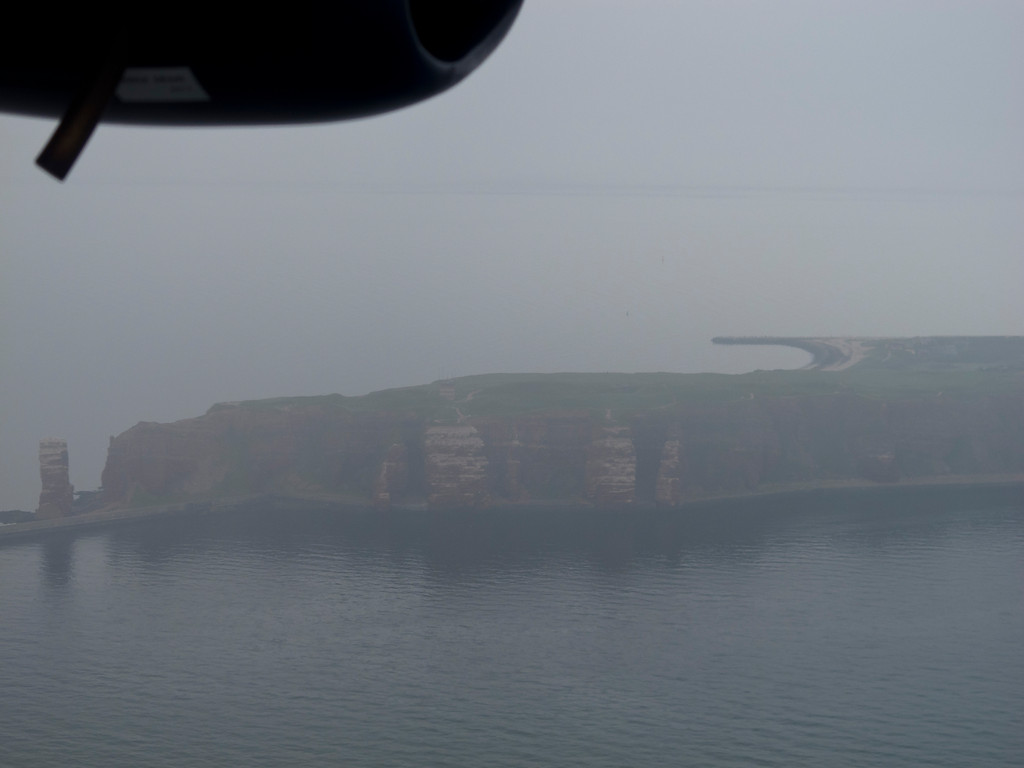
(260,449)
(667,455)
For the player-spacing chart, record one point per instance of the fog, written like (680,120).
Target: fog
(620,182)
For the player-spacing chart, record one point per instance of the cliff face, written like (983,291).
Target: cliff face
(744,445)
(611,467)
(456,467)
(667,455)
(236,450)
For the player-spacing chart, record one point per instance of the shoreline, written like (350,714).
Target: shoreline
(824,489)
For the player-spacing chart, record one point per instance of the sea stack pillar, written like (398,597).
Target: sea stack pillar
(57,493)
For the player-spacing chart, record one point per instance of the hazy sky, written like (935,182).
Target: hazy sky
(621,181)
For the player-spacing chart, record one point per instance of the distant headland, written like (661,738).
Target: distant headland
(867,412)
(838,353)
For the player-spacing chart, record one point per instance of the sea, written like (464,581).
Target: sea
(838,629)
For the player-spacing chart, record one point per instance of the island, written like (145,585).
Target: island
(867,412)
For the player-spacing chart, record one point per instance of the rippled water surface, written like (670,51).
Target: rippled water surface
(853,631)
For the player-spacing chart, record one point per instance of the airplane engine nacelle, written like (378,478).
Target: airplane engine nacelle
(205,65)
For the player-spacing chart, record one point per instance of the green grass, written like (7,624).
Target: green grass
(501,395)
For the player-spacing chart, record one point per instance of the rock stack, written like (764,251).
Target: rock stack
(57,493)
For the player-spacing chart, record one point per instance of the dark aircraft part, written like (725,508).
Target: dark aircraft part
(80,119)
(296,64)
